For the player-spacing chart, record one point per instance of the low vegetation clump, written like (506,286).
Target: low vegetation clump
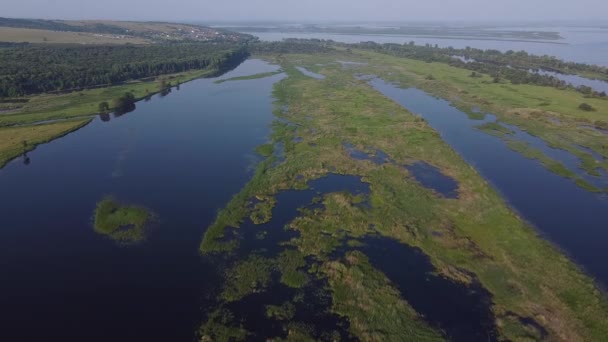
(586,107)
(495,128)
(120,222)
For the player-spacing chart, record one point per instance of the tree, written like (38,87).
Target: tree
(124,103)
(586,107)
(104,107)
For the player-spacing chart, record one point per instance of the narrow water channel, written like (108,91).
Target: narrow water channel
(182,156)
(566,214)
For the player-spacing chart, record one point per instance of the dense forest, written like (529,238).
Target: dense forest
(31,69)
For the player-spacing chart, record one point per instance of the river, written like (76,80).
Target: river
(183,156)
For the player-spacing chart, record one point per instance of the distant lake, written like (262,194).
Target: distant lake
(582,44)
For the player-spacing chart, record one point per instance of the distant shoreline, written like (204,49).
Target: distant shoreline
(412,36)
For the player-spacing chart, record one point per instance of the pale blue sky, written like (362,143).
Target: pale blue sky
(320,10)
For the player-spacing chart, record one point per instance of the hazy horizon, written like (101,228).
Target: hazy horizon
(478,11)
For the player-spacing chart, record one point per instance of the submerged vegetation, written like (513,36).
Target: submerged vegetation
(125,224)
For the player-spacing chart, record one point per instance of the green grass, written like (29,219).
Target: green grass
(265,150)
(246,277)
(119,222)
(476,233)
(290,263)
(15,141)
(283,312)
(374,307)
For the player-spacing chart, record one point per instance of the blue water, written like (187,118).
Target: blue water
(571,217)
(183,156)
(310,73)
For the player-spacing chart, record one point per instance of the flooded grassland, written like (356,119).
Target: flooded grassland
(370,209)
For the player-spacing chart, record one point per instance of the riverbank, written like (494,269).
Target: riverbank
(71,111)
(341,127)
(18,141)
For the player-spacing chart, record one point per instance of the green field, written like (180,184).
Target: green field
(474,237)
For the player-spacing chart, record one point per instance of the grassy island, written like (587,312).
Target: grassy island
(121,223)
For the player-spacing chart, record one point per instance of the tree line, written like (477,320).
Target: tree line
(32,69)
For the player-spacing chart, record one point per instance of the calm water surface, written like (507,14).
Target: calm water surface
(183,156)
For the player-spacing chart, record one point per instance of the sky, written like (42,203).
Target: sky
(309,10)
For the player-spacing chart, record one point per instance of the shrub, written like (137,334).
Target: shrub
(586,107)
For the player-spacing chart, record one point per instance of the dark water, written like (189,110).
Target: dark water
(183,156)
(462,312)
(431,177)
(573,218)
